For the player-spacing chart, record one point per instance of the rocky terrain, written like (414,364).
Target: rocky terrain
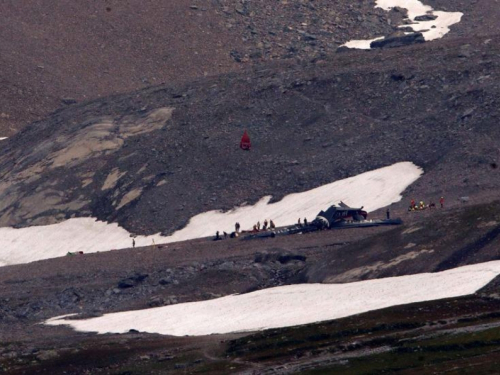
(136,112)
(203,269)
(53,55)
(153,159)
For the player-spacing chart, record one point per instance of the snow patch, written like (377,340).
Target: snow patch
(374,189)
(432,29)
(361,44)
(2,138)
(291,305)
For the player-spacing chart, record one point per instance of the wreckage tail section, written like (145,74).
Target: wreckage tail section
(367,223)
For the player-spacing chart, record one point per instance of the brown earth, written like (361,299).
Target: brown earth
(54,54)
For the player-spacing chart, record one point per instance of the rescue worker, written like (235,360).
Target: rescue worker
(225,234)
(265,225)
(412,203)
(299,223)
(271,224)
(388,214)
(133,243)
(258,225)
(305,221)
(237,227)
(441,202)
(217,236)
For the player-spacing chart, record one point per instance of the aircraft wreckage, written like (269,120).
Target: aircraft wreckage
(335,217)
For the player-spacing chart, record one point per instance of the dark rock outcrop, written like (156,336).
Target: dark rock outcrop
(398,40)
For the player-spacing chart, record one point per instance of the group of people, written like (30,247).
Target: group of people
(414,206)
(237,229)
(265,226)
(300,223)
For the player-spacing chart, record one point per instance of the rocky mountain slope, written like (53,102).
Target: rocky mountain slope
(152,159)
(52,55)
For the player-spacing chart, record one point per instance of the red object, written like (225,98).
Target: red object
(245,142)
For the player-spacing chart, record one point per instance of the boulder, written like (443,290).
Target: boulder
(132,281)
(398,40)
(68,101)
(426,17)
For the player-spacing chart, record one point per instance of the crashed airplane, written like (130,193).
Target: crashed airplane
(335,217)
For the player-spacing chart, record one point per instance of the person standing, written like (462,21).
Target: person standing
(271,224)
(441,202)
(237,227)
(305,221)
(133,243)
(388,214)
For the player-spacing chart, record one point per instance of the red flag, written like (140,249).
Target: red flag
(245,142)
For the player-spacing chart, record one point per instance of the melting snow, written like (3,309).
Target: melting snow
(431,30)
(290,305)
(374,189)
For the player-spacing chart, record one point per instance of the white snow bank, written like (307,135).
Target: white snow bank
(362,43)
(374,189)
(290,305)
(2,138)
(431,30)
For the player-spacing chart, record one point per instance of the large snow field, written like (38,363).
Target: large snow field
(374,189)
(434,29)
(290,305)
